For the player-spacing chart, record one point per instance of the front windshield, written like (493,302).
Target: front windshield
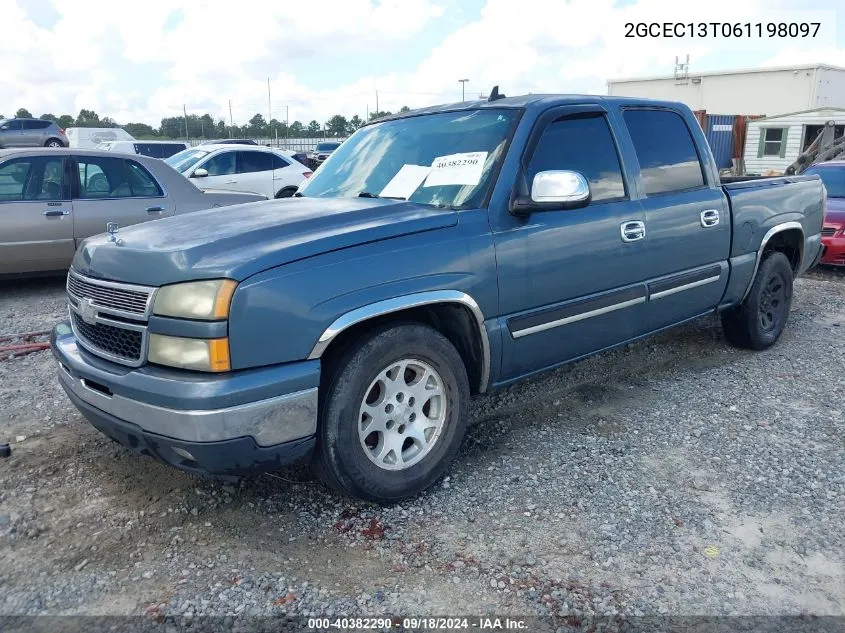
(444,159)
(833,179)
(325,147)
(184,160)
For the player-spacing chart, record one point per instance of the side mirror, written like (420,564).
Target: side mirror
(554,190)
(4,127)
(199,173)
(560,186)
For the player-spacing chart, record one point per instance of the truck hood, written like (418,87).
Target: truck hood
(237,242)
(834,212)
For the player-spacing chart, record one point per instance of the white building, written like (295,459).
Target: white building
(763,91)
(773,143)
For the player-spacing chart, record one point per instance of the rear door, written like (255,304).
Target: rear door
(112,189)
(255,172)
(36,219)
(287,173)
(688,223)
(33,133)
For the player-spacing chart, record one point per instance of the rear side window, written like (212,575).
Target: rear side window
(166,150)
(35,125)
(581,143)
(102,177)
(279,162)
(665,150)
(249,162)
(31,179)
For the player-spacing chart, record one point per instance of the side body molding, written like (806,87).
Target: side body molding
(396,304)
(786,226)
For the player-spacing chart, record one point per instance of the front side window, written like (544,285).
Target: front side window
(773,139)
(222,164)
(105,177)
(31,179)
(250,162)
(13,125)
(184,160)
(665,150)
(581,143)
(445,159)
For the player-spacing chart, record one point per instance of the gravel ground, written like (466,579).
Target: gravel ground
(674,476)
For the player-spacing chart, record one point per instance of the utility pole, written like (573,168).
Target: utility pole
(376,103)
(231,122)
(269,107)
(463,83)
(287,122)
(185,112)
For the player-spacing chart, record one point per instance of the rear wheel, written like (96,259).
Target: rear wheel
(759,321)
(287,192)
(393,415)
(53,142)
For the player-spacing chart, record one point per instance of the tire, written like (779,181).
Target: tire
(426,429)
(287,192)
(759,321)
(54,142)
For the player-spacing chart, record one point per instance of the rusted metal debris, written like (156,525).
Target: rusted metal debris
(25,343)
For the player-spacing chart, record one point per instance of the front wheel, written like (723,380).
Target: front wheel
(759,321)
(394,414)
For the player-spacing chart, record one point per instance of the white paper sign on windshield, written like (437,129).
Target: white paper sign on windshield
(406,181)
(456,169)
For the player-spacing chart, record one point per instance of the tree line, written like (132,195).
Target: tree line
(206,127)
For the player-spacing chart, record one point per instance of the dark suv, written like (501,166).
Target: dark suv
(31,133)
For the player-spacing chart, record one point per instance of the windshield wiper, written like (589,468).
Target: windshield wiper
(367,194)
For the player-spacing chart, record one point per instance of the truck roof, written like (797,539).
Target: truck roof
(542,101)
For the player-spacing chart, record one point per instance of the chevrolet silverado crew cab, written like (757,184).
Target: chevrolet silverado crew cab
(436,254)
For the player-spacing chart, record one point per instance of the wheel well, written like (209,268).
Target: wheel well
(283,189)
(453,320)
(53,138)
(790,243)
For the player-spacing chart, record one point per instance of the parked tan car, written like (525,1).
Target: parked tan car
(52,199)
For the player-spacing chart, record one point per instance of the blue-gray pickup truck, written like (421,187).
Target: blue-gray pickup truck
(438,254)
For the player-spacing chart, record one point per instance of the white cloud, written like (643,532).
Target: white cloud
(203,54)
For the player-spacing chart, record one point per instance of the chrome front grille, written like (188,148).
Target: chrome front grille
(117,342)
(109,319)
(828,231)
(123,299)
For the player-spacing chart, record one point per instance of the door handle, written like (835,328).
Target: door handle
(709,218)
(155,209)
(632,231)
(231,182)
(51,213)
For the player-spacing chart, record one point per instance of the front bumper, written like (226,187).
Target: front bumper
(834,249)
(246,421)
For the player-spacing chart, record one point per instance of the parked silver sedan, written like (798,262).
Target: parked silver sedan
(52,199)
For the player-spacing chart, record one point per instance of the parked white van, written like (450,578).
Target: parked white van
(154,149)
(90,137)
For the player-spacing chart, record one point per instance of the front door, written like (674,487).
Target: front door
(222,172)
(36,219)
(112,189)
(12,134)
(571,282)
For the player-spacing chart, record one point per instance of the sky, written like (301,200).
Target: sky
(326,57)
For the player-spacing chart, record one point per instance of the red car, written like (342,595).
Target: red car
(833,229)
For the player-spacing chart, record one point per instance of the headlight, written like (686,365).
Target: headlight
(190,353)
(207,300)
